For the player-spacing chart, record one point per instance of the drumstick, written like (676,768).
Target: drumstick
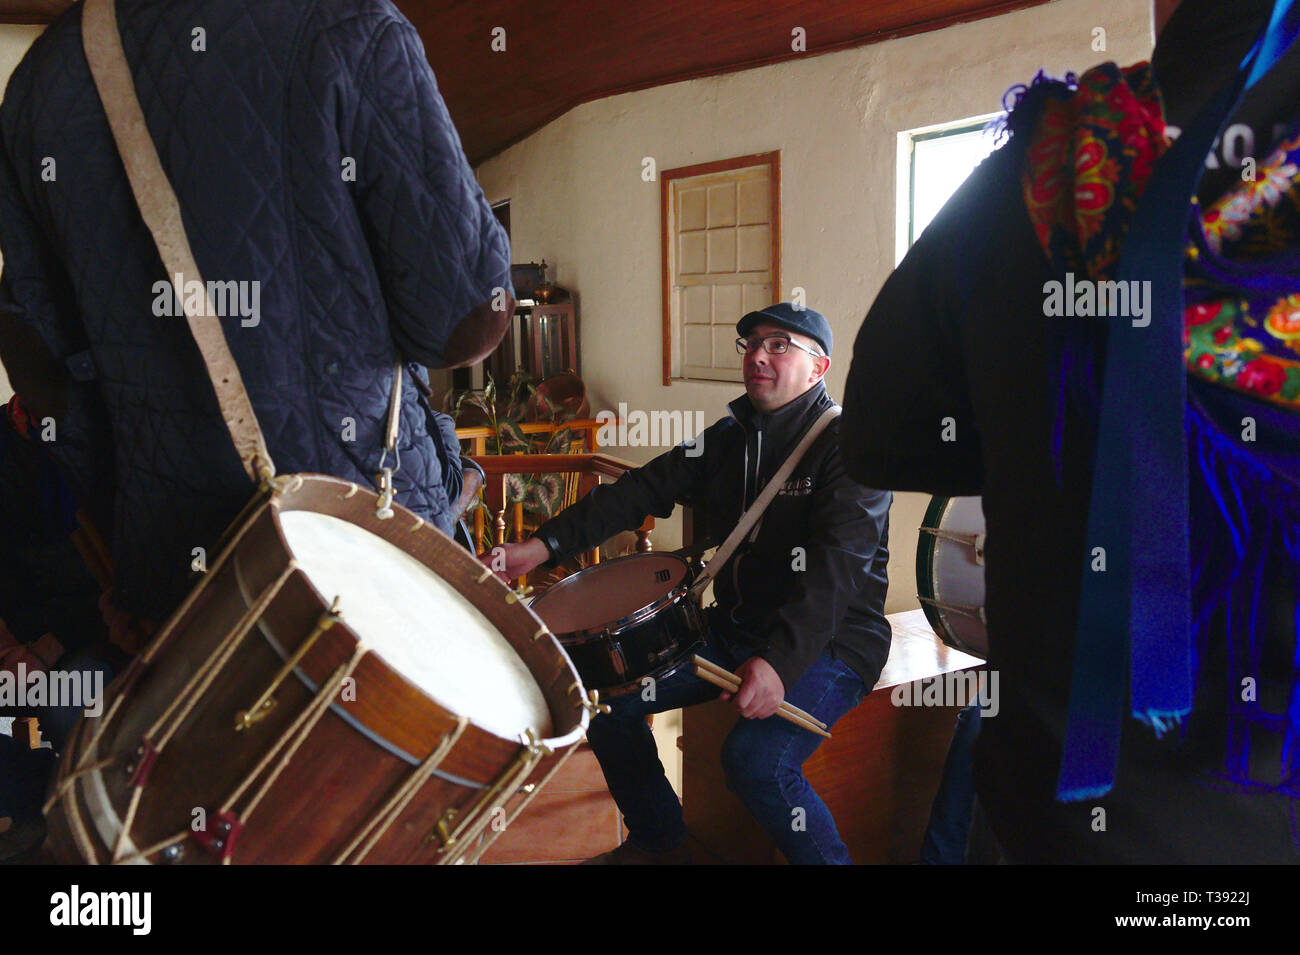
(785,714)
(728,675)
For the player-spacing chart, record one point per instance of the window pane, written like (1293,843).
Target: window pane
(940,164)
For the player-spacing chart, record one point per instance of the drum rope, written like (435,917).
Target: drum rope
(169,627)
(128,681)
(119,844)
(191,695)
(77,825)
(528,797)
(207,673)
(294,736)
(477,819)
(70,780)
(401,798)
(137,665)
(156,847)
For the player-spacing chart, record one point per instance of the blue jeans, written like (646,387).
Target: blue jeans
(950,814)
(762,759)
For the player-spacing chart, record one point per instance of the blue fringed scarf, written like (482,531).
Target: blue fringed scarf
(1102,208)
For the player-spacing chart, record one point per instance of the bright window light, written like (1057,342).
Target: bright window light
(940,162)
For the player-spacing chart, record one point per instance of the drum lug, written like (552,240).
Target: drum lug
(173,853)
(219,838)
(616,656)
(384,506)
(141,764)
(442,831)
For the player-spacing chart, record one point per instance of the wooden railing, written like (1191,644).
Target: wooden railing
(586,430)
(590,470)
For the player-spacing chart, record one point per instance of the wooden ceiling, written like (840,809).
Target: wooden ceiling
(558,55)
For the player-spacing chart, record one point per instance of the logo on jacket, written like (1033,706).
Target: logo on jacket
(797,487)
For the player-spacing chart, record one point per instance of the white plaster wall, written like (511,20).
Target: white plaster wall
(578,200)
(14,41)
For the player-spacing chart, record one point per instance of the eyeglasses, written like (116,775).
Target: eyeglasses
(773,345)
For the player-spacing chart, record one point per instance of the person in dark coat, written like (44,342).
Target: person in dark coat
(1142,550)
(322,184)
(800,604)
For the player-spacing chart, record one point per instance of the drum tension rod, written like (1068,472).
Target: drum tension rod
(533,750)
(515,596)
(593,705)
(266,702)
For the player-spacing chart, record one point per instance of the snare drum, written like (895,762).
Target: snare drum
(338,688)
(626,619)
(950,572)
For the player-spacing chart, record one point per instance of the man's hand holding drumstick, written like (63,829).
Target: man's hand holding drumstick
(761,690)
(511,561)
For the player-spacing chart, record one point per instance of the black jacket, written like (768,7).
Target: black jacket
(811,577)
(966,309)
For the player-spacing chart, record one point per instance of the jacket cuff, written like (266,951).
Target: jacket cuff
(469,464)
(552,545)
(788,670)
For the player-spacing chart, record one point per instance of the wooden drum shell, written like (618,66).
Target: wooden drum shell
(353,761)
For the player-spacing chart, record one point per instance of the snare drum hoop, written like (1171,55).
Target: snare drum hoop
(638,616)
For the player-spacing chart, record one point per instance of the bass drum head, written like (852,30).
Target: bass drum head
(950,572)
(419,623)
(606,593)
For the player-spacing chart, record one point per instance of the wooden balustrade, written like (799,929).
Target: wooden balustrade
(586,430)
(589,469)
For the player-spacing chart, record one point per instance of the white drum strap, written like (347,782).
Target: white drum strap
(770,491)
(161,211)
(162,214)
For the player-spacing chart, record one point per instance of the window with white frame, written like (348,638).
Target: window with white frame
(934,163)
(721,244)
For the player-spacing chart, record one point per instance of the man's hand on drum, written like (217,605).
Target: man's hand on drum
(761,690)
(509,561)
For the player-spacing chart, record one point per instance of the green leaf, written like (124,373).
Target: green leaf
(561,442)
(516,488)
(544,494)
(512,438)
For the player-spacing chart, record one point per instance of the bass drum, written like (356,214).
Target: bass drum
(339,688)
(950,572)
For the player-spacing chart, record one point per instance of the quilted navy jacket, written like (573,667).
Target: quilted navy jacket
(315,162)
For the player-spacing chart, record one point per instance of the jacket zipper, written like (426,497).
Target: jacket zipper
(735,561)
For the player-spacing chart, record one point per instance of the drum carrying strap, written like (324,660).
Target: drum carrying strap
(161,212)
(770,490)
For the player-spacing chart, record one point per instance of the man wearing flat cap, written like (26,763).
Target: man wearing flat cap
(800,603)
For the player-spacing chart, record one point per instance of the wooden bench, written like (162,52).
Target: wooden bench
(878,775)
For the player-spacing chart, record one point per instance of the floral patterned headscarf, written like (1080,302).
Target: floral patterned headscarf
(1091,156)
